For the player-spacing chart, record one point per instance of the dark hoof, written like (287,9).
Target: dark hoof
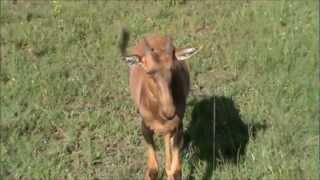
(151,174)
(177,175)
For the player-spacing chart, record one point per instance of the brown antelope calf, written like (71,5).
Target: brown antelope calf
(159,83)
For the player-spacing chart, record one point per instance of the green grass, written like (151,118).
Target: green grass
(66,112)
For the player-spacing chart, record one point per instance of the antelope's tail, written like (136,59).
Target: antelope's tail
(123,41)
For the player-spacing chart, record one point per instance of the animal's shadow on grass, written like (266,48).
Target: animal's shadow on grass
(216,134)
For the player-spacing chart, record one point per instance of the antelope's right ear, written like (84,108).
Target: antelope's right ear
(185,53)
(132,59)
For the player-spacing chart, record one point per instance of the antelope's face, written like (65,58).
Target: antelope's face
(157,54)
(157,58)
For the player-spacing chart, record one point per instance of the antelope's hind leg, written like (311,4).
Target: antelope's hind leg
(152,163)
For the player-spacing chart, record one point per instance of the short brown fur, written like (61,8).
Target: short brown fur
(159,85)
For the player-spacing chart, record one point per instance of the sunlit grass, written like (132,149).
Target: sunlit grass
(66,111)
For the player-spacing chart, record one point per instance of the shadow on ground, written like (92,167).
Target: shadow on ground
(224,143)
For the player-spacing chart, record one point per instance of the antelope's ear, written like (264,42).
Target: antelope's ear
(186,53)
(132,59)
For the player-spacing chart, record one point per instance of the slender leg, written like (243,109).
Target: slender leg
(152,163)
(176,142)
(168,152)
(175,164)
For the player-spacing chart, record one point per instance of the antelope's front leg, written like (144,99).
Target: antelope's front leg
(174,170)
(168,152)
(152,163)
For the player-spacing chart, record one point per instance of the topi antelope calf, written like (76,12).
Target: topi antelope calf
(159,84)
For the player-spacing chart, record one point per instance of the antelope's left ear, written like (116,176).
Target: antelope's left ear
(132,59)
(186,53)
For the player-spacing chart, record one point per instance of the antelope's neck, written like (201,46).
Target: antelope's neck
(160,90)
(152,89)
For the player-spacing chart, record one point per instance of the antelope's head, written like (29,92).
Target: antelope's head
(157,55)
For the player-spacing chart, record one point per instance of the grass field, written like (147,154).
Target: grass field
(66,112)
